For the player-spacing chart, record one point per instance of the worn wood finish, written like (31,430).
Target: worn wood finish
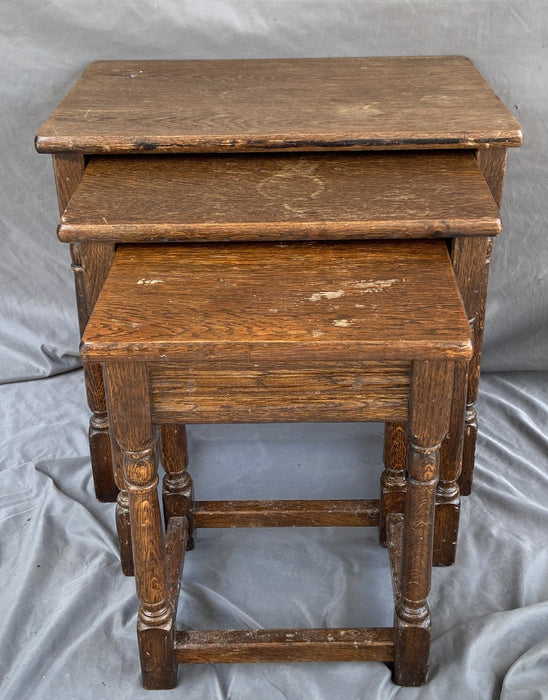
(289,104)
(129,410)
(447,491)
(431,384)
(130,406)
(394,537)
(123,524)
(471,260)
(95,260)
(272,392)
(393,481)
(68,170)
(176,545)
(338,513)
(177,489)
(280,197)
(320,301)
(99,435)
(282,645)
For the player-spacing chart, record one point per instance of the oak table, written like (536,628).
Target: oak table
(309,106)
(222,332)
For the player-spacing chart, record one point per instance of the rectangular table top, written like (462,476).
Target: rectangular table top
(283,104)
(348,301)
(280,197)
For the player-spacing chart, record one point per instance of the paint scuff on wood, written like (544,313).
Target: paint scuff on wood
(326,295)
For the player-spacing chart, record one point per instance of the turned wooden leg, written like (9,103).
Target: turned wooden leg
(99,437)
(123,524)
(448,492)
(104,479)
(90,264)
(129,409)
(428,417)
(471,261)
(393,481)
(177,490)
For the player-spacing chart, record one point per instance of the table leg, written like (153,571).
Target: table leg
(471,261)
(177,491)
(428,419)
(90,264)
(393,481)
(446,526)
(129,410)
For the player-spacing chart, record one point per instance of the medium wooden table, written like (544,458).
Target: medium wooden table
(306,105)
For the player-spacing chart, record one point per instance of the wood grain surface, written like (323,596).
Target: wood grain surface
(90,263)
(294,513)
(287,104)
(267,392)
(280,196)
(268,645)
(324,301)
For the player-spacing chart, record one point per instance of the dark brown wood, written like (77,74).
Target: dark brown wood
(123,525)
(340,513)
(394,541)
(429,407)
(393,483)
(272,392)
(281,197)
(247,340)
(322,301)
(446,526)
(282,645)
(68,169)
(129,410)
(176,547)
(130,399)
(177,489)
(79,285)
(492,165)
(471,260)
(104,480)
(96,261)
(291,104)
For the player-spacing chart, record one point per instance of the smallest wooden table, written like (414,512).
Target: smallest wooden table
(276,332)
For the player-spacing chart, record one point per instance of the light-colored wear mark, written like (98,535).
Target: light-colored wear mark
(343,322)
(372,286)
(143,280)
(326,295)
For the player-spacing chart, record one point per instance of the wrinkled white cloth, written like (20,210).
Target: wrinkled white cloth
(68,623)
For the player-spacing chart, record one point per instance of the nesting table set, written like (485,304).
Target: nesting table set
(272,241)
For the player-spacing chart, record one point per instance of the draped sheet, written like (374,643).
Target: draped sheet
(67,628)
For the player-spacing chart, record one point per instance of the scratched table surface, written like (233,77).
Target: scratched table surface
(287,104)
(278,196)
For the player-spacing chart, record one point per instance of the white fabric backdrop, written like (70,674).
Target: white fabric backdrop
(67,629)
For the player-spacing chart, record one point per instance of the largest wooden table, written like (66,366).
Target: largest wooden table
(236,106)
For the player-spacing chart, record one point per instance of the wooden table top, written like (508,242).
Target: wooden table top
(297,301)
(283,104)
(280,197)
